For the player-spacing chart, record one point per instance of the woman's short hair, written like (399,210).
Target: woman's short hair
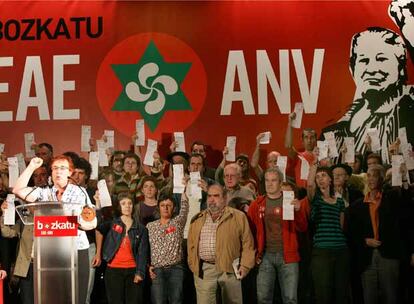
(63,157)
(147,178)
(164,196)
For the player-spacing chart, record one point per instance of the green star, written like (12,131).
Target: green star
(127,73)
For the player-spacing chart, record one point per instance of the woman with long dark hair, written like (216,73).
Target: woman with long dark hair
(330,257)
(125,249)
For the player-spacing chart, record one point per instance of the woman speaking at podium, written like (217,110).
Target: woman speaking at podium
(62,191)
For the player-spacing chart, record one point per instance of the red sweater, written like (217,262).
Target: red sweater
(289,228)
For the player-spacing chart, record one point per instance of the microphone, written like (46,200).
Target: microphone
(30,192)
(81,188)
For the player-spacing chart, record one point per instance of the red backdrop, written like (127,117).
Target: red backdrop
(201,33)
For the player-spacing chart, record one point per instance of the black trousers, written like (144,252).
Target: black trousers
(120,286)
(330,272)
(83,274)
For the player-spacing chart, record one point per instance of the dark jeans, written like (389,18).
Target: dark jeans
(381,278)
(120,286)
(26,287)
(330,273)
(167,287)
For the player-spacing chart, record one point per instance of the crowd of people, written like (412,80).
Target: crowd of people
(350,238)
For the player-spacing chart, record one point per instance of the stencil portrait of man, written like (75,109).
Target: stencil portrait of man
(383,100)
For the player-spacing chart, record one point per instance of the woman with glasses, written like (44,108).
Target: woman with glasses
(63,191)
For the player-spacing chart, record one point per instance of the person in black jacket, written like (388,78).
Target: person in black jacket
(126,250)
(374,234)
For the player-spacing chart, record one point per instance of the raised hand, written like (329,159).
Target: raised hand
(35,162)
(259,137)
(402,13)
(173,146)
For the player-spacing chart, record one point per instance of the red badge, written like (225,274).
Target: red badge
(117,228)
(170,229)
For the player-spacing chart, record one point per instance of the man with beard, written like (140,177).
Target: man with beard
(217,237)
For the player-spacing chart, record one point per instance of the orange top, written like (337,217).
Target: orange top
(373,211)
(123,257)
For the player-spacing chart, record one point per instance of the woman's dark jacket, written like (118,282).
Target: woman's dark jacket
(114,232)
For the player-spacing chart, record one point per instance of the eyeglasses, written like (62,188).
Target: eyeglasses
(55,168)
(230,175)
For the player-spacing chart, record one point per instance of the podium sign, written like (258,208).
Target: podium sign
(55,226)
(55,250)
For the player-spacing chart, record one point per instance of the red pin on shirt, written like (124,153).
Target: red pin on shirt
(117,228)
(170,229)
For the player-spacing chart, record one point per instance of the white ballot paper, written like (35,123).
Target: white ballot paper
(195,188)
(140,130)
(13,170)
(103,158)
(396,161)
(178,176)
(304,168)
(375,142)
(10,212)
(86,133)
(194,208)
(282,164)
(402,135)
(179,139)
(20,162)
(1,148)
(349,155)
(231,147)
(288,209)
(266,138)
(149,155)
(296,123)
(104,196)
(323,147)
(94,161)
(236,265)
(28,143)
(409,160)
(110,138)
(332,149)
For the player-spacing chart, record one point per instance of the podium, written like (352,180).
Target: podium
(55,264)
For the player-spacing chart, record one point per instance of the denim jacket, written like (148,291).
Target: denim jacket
(114,232)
